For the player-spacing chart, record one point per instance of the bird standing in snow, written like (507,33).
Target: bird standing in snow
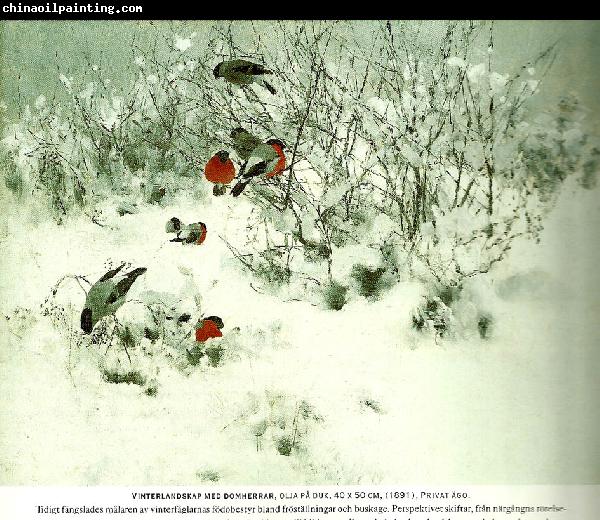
(243,72)
(186,234)
(107,295)
(220,171)
(206,328)
(266,159)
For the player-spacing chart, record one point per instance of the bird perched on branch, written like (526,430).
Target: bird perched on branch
(186,234)
(266,159)
(220,171)
(107,295)
(244,143)
(243,72)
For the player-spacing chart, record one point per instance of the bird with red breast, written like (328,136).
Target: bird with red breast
(266,160)
(186,234)
(220,170)
(206,329)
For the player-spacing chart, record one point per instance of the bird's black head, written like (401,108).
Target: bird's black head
(176,223)
(217,70)
(216,320)
(223,155)
(278,142)
(86,320)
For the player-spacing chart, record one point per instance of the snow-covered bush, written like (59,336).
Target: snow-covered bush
(335,295)
(151,331)
(423,160)
(557,146)
(431,162)
(141,141)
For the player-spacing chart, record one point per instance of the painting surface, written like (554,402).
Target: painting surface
(299,252)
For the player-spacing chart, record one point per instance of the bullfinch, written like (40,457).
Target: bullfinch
(243,72)
(187,234)
(266,159)
(107,295)
(207,328)
(220,170)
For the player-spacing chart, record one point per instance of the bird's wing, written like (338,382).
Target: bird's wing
(264,152)
(189,234)
(257,169)
(111,273)
(194,232)
(262,160)
(247,67)
(261,167)
(124,285)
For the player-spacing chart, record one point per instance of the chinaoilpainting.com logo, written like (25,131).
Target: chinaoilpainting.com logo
(53,7)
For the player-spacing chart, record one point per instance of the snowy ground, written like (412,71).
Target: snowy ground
(382,404)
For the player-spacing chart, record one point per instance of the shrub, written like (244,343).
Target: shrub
(444,146)
(281,420)
(131,377)
(335,295)
(369,280)
(433,316)
(284,446)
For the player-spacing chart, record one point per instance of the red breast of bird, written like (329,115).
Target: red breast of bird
(198,230)
(280,164)
(220,169)
(202,236)
(207,329)
(271,154)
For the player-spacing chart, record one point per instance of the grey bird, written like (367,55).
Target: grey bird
(243,72)
(244,143)
(107,295)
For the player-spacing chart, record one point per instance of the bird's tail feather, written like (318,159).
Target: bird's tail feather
(239,187)
(269,87)
(257,169)
(86,320)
